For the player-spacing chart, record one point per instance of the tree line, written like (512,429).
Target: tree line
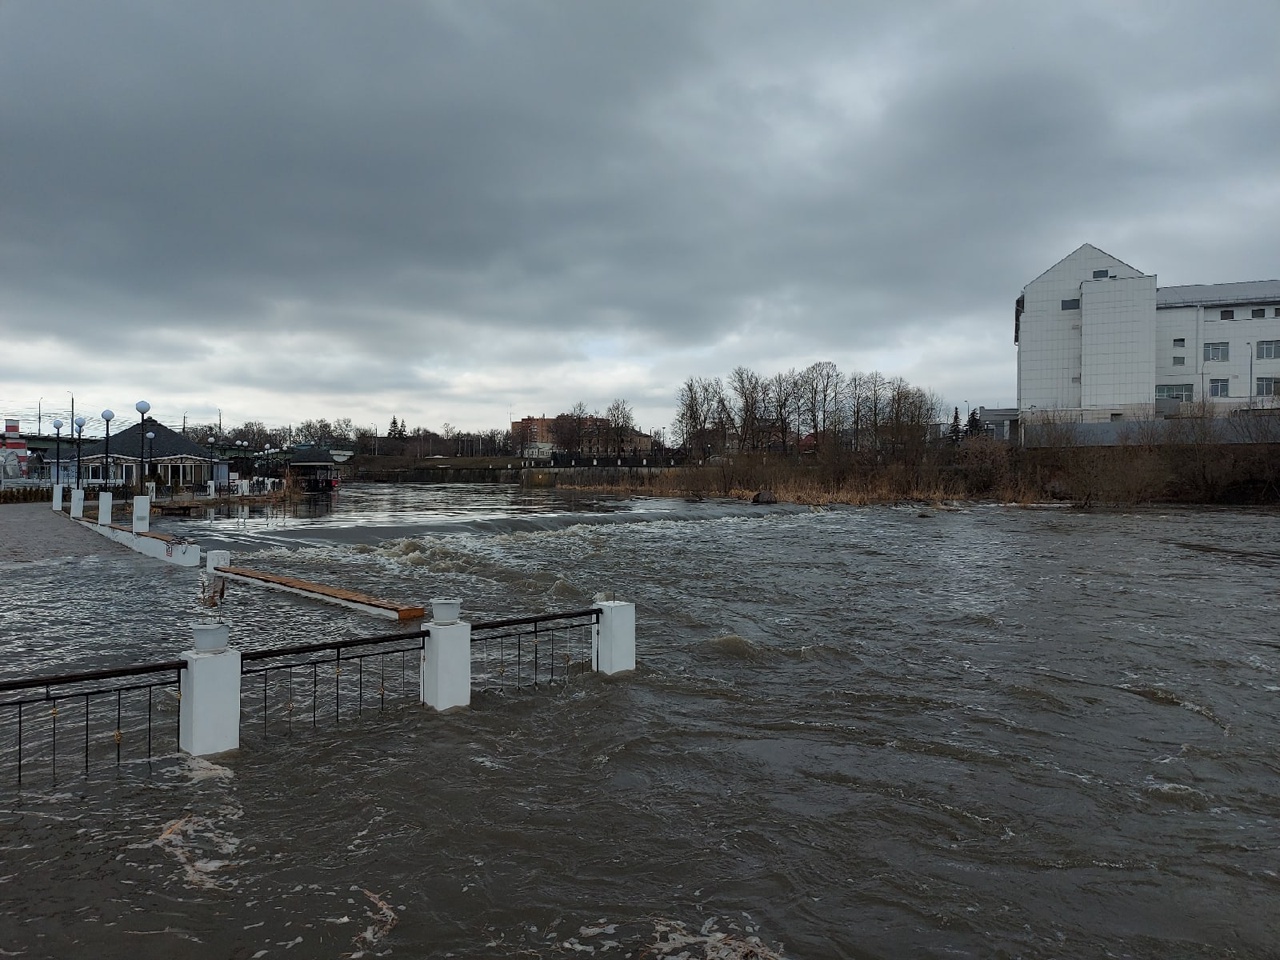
(399,439)
(819,410)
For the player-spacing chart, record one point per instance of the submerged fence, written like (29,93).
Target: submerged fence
(532,651)
(67,723)
(70,724)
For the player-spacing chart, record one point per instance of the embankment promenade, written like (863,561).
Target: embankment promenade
(32,531)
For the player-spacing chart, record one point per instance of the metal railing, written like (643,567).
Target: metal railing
(85,718)
(526,652)
(83,715)
(314,682)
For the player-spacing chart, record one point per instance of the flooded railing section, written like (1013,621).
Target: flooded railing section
(320,683)
(68,724)
(529,652)
(209,701)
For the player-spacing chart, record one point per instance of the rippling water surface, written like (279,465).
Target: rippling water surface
(853,733)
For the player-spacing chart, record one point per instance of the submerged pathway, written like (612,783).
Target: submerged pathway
(32,531)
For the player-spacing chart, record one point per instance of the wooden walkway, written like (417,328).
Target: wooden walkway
(317,591)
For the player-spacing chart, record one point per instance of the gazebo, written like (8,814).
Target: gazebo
(170,459)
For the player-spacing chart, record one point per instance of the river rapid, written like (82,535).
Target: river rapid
(853,732)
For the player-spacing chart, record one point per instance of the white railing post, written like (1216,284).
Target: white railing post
(613,639)
(57,498)
(446,658)
(209,710)
(77,504)
(216,558)
(104,508)
(141,514)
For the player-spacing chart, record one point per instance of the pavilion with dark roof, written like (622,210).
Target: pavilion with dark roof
(171,459)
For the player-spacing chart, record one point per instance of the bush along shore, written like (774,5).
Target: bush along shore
(979,469)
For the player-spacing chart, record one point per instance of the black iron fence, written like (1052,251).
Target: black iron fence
(69,723)
(314,683)
(528,652)
(65,724)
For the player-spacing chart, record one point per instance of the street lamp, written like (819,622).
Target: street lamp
(151,451)
(79,425)
(212,439)
(142,407)
(107,416)
(1252,387)
(57,451)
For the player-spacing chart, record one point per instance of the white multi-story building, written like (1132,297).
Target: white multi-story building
(1098,340)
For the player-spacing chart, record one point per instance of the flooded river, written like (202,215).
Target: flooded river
(870,732)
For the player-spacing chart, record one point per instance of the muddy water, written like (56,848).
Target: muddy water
(854,733)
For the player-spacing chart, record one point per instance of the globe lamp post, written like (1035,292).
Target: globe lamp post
(57,451)
(79,426)
(107,417)
(142,407)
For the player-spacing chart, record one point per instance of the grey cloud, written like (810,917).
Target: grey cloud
(403,190)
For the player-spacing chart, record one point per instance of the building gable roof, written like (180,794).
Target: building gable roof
(1087,249)
(167,444)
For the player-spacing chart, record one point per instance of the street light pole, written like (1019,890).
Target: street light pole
(1251,385)
(142,407)
(107,416)
(57,452)
(151,450)
(211,442)
(79,425)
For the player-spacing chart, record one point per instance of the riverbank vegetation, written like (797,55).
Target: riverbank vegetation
(979,468)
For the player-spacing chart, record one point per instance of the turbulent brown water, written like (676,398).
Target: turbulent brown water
(854,733)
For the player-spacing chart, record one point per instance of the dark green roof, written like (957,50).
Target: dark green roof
(167,444)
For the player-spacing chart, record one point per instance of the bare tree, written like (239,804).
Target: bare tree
(747,391)
(622,424)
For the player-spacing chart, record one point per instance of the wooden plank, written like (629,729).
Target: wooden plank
(322,592)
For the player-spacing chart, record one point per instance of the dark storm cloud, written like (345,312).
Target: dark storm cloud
(360,198)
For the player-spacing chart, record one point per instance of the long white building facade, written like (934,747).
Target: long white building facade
(1098,340)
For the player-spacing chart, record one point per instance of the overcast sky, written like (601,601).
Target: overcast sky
(460,211)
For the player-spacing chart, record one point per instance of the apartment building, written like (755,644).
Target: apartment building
(1098,340)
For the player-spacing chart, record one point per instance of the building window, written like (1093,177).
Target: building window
(1180,342)
(1259,313)
(1217,351)
(1099,274)
(1174,391)
(1268,349)
(1179,361)
(1227,315)
(1071,304)
(1075,379)
(1219,388)
(1266,387)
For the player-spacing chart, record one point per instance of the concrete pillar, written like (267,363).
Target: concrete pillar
(57,497)
(141,514)
(77,503)
(613,639)
(216,558)
(104,507)
(209,711)
(446,662)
